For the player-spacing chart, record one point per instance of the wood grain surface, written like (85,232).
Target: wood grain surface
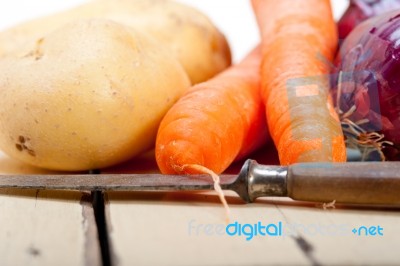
(45,227)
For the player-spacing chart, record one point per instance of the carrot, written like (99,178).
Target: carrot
(214,122)
(295,81)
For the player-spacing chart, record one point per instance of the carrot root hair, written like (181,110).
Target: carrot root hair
(217,184)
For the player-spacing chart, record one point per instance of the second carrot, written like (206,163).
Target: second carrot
(299,39)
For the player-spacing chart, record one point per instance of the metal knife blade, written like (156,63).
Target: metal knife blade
(376,183)
(113,182)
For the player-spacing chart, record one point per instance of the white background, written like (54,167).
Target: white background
(233,17)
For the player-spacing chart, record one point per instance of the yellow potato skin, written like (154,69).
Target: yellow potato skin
(192,38)
(87,96)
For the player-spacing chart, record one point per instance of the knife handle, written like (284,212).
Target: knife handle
(367,183)
(354,183)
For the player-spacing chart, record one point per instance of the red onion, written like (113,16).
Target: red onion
(360,10)
(367,90)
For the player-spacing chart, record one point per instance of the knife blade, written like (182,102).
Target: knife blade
(371,183)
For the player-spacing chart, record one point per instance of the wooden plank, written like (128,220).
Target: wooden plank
(329,233)
(185,229)
(182,229)
(45,227)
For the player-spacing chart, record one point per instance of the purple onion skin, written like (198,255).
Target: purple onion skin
(369,61)
(360,10)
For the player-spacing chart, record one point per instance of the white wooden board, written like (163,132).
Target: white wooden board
(44,227)
(181,229)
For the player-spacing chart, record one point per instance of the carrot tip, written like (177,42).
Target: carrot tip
(172,155)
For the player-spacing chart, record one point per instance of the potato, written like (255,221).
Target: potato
(87,96)
(193,39)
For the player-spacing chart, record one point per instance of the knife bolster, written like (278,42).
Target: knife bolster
(264,180)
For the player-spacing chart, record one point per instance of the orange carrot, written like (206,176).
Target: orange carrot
(215,122)
(296,34)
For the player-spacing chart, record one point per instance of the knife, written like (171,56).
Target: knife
(370,183)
